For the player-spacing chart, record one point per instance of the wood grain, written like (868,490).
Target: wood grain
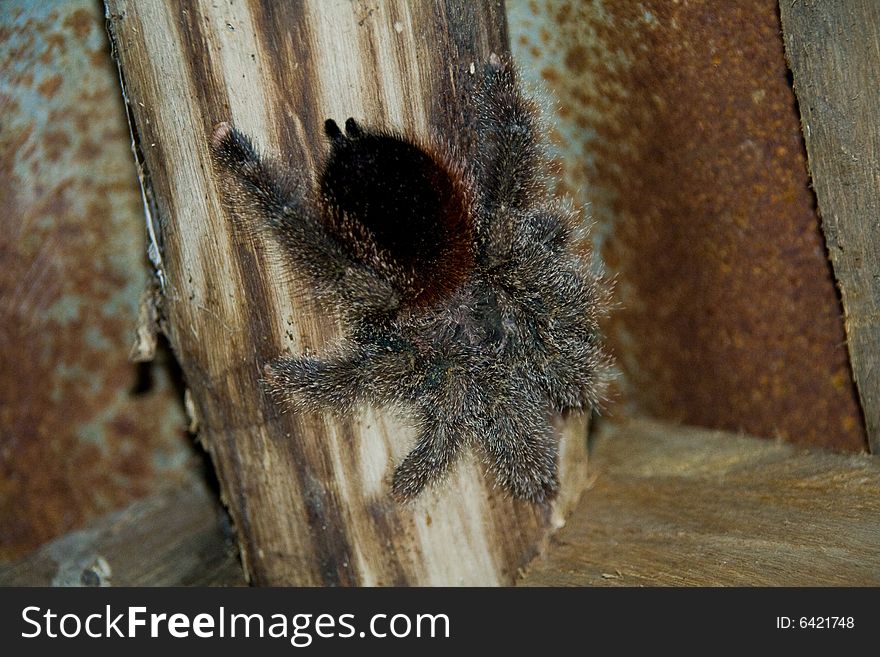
(677,506)
(833,48)
(308,494)
(176,538)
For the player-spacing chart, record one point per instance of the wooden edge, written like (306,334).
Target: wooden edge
(179,537)
(832,49)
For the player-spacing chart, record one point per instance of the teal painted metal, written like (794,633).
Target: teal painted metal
(81,433)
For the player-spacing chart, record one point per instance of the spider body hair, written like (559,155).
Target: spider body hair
(465,303)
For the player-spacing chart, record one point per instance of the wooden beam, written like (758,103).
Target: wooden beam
(179,537)
(677,506)
(833,49)
(309,495)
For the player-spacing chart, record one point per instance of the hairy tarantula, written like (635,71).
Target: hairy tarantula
(464,301)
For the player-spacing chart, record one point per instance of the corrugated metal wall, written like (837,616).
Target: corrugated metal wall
(678,125)
(82,430)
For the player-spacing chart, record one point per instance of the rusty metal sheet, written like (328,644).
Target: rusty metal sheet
(82,430)
(679,126)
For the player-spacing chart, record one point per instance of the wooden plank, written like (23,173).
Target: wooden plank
(833,48)
(689,507)
(177,538)
(309,495)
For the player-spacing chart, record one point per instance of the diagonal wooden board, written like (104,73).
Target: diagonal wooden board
(179,537)
(833,49)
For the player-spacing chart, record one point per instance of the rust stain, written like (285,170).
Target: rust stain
(82,430)
(576,59)
(49,86)
(80,22)
(680,129)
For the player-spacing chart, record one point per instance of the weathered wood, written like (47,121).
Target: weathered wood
(309,494)
(176,538)
(682,506)
(833,49)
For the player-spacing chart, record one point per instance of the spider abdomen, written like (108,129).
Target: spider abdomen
(401,208)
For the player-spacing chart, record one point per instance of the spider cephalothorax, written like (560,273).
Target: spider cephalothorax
(465,301)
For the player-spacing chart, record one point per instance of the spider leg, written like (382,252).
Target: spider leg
(569,364)
(577,368)
(437,448)
(377,367)
(560,300)
(521,448)
(309,384)
(289,207)
(576,375)
(510,162)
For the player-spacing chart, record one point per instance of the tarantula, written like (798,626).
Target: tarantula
(464,301)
